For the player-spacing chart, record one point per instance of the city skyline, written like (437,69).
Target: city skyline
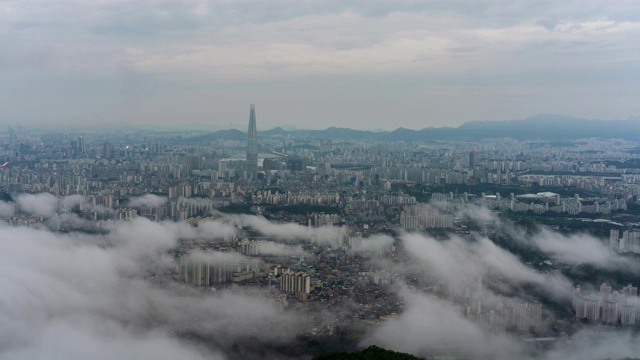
(396,64)
(430,179)
(414,246)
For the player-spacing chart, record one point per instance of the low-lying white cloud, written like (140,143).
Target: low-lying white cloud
(290,231)
(581,248)
(66,297)
(42,204)
(430,326)
(275,248)
(458,260)
(148,200)
(373,243)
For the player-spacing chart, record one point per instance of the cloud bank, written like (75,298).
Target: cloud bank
(68,297)
(437,63)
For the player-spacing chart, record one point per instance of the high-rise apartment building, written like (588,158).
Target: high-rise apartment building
(607,306)
(82,148)
(295,282)
(472,159)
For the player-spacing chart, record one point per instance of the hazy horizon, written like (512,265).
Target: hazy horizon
(377,65)
(214,127)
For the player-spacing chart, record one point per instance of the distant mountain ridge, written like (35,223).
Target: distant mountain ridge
(549,127)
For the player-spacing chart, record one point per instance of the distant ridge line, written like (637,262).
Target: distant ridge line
(549,127)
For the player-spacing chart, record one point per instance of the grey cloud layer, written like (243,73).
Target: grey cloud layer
(163,60)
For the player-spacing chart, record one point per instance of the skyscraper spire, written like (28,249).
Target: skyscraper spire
(252,145)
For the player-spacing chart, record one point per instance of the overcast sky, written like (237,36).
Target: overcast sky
(314,64)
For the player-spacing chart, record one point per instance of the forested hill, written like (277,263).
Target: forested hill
(370,353)
(545,127)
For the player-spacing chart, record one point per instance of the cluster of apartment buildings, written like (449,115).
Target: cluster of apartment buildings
(424,216)
(536,203)
(295,283)
(607,306)
(519,316)
(628,242)
(290,198)
(209,269)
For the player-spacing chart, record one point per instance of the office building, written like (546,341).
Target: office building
(472,159)
(252,146)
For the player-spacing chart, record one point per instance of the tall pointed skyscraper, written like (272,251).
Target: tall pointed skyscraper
(252,146)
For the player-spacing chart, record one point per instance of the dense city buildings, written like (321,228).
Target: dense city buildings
(607,306)
(628,242)
(423,216)
(318,224)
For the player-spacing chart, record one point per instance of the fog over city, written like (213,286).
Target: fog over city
(77,295)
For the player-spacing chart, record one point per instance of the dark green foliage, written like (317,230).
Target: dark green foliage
(589,274)
(5,196)
(236,209)
(371,353)
(304,209)
(629,164)
(633,208)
